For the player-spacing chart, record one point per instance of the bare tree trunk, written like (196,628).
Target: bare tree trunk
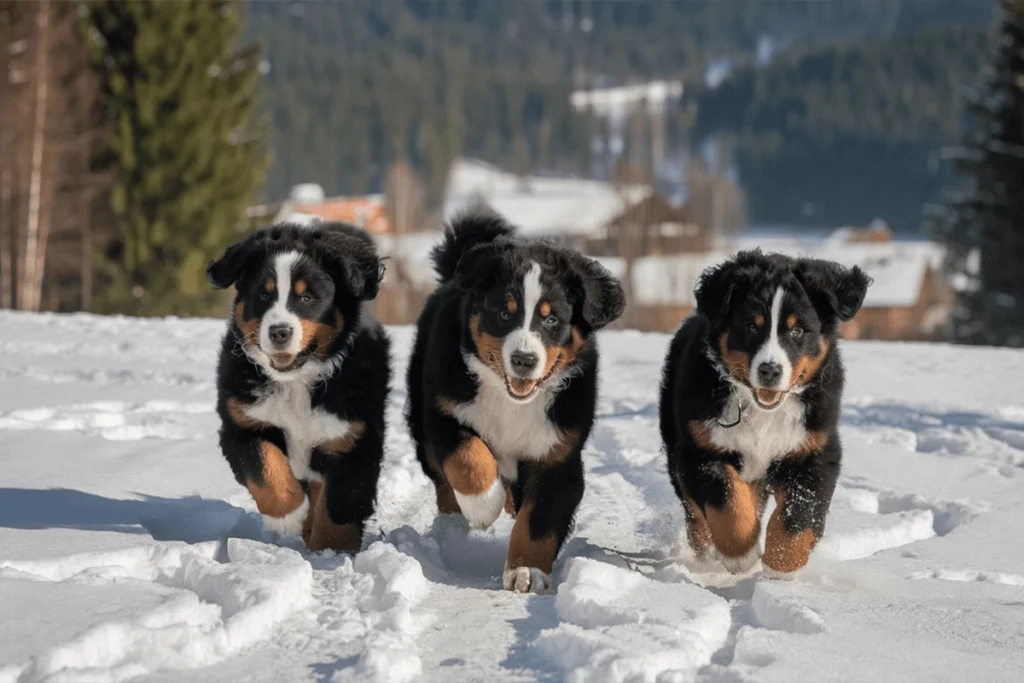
(5,226)
(6,157)
(31,277)
(405,197)
(14,233)
(87,256)
(657,140)
(39,268)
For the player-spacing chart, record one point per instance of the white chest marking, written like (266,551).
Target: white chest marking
(761,437)
(513,430)
(288,407)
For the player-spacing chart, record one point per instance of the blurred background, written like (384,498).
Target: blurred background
(138,139)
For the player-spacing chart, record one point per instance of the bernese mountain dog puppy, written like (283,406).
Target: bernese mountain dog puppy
(303,379)
(750,402)
(503,384)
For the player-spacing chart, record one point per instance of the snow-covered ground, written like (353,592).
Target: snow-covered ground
(127,550)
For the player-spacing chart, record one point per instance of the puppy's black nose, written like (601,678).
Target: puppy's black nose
(523,362)
(769,373)
(280,334)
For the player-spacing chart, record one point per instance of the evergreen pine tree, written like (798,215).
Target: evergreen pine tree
(983,223)
(187,145)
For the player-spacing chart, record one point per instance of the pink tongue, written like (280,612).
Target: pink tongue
(521,387)
(767,396)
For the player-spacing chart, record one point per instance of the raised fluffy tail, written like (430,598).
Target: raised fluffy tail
(478,226)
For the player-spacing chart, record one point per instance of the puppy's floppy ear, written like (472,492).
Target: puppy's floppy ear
(478,267)
(229,268)
(714,291)
(718,284)
(835,291)
(599,296)
(352,257)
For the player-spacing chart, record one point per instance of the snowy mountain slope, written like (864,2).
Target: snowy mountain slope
(127,550)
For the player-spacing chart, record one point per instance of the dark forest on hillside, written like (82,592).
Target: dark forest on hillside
(846,123)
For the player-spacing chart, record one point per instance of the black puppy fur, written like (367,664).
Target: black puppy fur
(750,404)
(503,384)
(303,379)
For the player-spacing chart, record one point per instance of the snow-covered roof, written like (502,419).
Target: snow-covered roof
(617,101)
(367,211)
(412,250)
(898,269)
(540,207)
(307,192)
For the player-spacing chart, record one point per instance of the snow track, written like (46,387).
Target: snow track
(130,553)
(224,598)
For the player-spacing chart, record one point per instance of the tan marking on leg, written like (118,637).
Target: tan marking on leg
(488,348)
(347,538)
(698,533)
(762,500)
(446,502)
(301,287)
(565,447)
(314,498)
(814,442)
(236,411)
(510,501)
(807,366)
(736,363)
(249,328)
(701,434)
(545,309)
(472,468)
(783,551)
(280,492)
(345,444)
(446,405)
(736,527)
(524,551)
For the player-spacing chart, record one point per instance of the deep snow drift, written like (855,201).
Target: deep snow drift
(127,550)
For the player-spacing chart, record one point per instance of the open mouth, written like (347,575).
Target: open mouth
(521,389)
(768,399)
(286,362)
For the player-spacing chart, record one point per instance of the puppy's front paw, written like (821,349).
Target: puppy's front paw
(290,524)
(741,564)
(482,509)
(525,580)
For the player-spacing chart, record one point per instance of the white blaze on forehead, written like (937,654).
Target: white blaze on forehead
(772,351)
(278,313)
(531,292)
(523,338)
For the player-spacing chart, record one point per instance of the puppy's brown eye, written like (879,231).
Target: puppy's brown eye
(306,299)
(550,321)
(752,328)
(797,332)
(264,296)
(505,315)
